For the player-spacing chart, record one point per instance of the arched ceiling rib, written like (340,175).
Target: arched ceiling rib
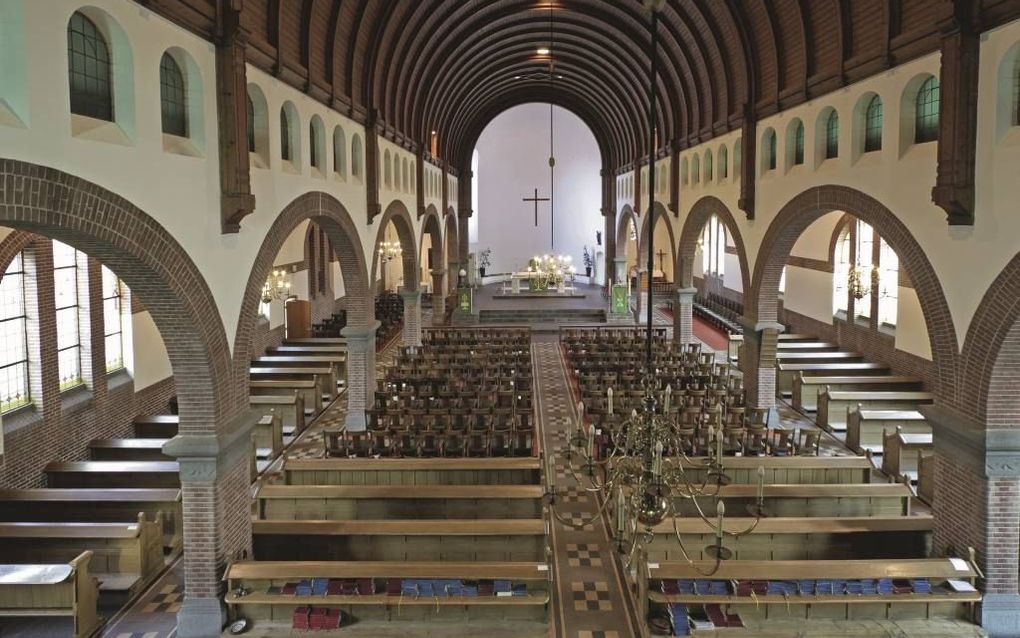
(449,65)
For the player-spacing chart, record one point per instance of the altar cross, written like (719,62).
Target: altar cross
(536,199)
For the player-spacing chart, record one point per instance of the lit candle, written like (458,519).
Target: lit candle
(580,410)
(609,396)
(718,444)
(621,513)
(591,441)
(550,473)
(657,461)
(665,403)
(761,484)
(720,511)
(708,442)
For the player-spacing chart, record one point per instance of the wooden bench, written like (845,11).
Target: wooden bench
(157,426)
(325,375)
(864,427)
(128,450)
(336,361)
(926,477)
(155,474)
(311,389)
(806,388)
(806,346)
(437,471)
(274,610)
(783,356)
(512,539)
(900,452)
(97,505)
(397,502)
(799,470)
(806,500)
(798,538)
(289,408)
(834,406)
(125,556)
(785,372)
(66,589)
(793,336)
(316,341)
(801,609)
(268,436)
(307,349)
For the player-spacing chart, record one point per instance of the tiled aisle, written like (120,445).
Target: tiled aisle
(591,601)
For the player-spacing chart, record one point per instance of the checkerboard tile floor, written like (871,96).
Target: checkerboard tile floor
(591,596)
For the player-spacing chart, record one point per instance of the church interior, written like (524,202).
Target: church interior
(515,318)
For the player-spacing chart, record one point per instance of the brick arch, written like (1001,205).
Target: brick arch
(51,203)
(990,374)
(331,216)
(452,236)
(11,245)
(761,298)
(623,225)
(661,217)
(698,216)
(431,226)
(397,214)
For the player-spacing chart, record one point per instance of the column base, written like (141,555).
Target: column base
(1000,615)
(201,618)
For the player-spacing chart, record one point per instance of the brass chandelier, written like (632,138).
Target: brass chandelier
(644,470)
(276,288)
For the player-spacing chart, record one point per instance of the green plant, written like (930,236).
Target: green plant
(485,258)
(587,258)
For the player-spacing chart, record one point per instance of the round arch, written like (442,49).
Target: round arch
(698,216)
(452,237)
(398,214)
(431,226)
(331,216)
(627,220)
(661,217)
(761,298)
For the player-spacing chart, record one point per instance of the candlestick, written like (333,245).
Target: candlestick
(708,442)
(621,513)
(591,442)
(761,484)
(609,395)
(550,473)
(665,403)
(718,444)
(720,510)
(580,409)
(657,461)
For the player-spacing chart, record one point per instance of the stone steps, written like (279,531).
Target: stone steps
(550,316)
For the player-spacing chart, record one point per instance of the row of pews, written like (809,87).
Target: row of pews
(863,403)
(385,541)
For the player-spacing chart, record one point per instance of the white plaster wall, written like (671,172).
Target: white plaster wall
(149,363)
(513,152)
(809,292)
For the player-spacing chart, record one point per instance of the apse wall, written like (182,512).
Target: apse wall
(513,153)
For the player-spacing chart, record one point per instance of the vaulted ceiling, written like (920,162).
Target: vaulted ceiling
(450,66)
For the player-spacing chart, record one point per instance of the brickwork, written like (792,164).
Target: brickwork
(438,297)
(264,337)
(412,317)
(683,316)
(698,216)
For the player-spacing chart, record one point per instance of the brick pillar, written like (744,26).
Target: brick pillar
(758,363)
(412,317)
(683,315)
(215,487)
(438,297)
(977,504)
(360,373)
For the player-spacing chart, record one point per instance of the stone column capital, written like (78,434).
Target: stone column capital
(686,295)
(358,336)
(202,457)
(991,453)
(411,296)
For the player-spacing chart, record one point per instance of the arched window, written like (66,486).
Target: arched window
(14,388)
(286,151)
(873,125)
(874,264)
(357,157)
(695,169)
(66,261)
(841,273)
(684,172)
(724,163)
(396,172)
(113,320)
(313,146)
(708,166)
(832,136)
(770,150)
(88,57)
(251,125)
(1016,92)
(339,152)
(387,169)
(713,247)
(926,119)
(172,97)
(798,144)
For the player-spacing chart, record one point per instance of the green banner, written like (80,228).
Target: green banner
(620,301)
(464,299)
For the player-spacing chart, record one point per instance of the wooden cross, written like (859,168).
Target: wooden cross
(536,199)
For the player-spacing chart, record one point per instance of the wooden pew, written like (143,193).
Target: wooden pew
(289,408)
(316,341)
(864,427)
(268,436)
(311,389)
(784,356)
(799,470)
(109,505)
(900,451)
(835,405)
(154,474)
(806,346)
(157,426)
(765,614)
(800,500)
(52,590)
(326,375)
(336,361)
(511,539)
(785,372)
(306,349)
(432,471)
(274,611)
(399,502)
(128,450)
(125,556)
(793,336)
(798,538)
(806,388)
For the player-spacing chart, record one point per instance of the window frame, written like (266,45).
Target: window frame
(7,405)
(251,124)
(798,144)
(286,146)
(1016,91)
(69,382)
(770,142)
(832,135)
(94,96)
(927,111)
(173,97)
(118,301)
(873,124)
